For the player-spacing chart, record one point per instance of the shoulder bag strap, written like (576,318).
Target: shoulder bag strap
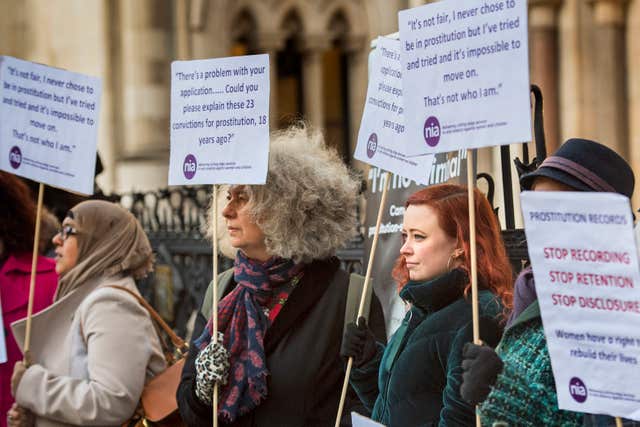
(175,339)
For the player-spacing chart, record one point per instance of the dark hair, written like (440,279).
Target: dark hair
(451,204)
(18,214)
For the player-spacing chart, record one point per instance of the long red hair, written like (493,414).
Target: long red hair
(451,205)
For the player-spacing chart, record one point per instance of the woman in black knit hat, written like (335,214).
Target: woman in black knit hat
(515,384)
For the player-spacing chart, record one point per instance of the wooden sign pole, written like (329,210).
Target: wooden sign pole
(32,283)
(214,311)
(473,255)
(367,280)
(471,184)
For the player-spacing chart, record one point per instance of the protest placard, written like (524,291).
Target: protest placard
(381,104)
(48,124)
(465,74)
(585,265)
(219,133)
(220,121)
(381,139)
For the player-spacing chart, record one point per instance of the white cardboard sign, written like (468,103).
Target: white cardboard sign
(220,121)
(465,73)
(585,264)
(48,124)
(382,140)
(358,420)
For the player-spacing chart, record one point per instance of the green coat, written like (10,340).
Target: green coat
(525,392)
(415,380)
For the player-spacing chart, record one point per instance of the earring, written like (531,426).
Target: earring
(453,256)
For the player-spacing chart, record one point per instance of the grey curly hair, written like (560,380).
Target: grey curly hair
(307,209)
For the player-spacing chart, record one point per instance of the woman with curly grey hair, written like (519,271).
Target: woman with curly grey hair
(277,358)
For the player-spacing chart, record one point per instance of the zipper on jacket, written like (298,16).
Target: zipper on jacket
(393,362)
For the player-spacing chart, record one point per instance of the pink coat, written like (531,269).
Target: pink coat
(14,297)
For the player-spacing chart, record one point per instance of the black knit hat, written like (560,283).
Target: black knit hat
(585,166)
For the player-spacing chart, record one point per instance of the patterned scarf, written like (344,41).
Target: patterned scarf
(243,321)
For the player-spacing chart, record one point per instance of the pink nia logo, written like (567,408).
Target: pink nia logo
(431,131)
(189,166)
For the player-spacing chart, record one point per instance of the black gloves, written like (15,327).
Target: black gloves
(481,366)
(358,342)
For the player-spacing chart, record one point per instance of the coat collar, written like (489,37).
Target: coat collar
(21,263)
(529,313)
(312,286)
(435,294)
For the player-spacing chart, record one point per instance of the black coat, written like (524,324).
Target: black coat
(302,348)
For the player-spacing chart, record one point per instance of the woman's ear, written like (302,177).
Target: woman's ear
(458,252)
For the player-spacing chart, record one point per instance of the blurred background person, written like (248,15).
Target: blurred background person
(49,227)
(17,229)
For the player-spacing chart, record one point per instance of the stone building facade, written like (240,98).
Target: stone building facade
(584,54)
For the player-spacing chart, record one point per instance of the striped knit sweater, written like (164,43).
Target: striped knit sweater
(525,393)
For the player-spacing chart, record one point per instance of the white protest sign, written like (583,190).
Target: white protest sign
(358,420)
(465,74)
(49,124)
(220,121)
(382,140)
(585,265)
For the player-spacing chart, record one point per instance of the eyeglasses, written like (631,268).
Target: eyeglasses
(67,231)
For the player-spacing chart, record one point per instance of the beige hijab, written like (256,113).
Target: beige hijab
(110,242)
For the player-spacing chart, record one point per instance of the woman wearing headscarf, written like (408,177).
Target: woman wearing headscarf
(282,319)
(415,379)
(17,225)
(515,385)
(93,350)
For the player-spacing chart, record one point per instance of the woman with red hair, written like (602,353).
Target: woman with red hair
(415,379)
